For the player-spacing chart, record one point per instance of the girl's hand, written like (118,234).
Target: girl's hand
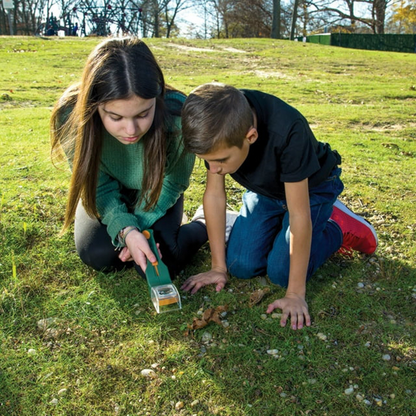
(293,306)
(215,277)
(125,255)
(137,249)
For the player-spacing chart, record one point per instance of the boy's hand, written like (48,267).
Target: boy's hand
(293,306)
(215,277)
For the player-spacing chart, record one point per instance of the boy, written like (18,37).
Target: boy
(290,221)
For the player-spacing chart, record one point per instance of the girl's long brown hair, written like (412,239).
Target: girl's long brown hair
(117,69)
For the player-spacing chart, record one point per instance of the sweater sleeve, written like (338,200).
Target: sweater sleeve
(112,207)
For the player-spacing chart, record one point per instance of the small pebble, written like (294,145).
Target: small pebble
(61,392)
(46,323)
(263,316)
(360,285)
(386,357)
(276,315)
(367,402)
(321,336)
(148,373)
(349,391)
(179,406)
(194,403)
(54,401)
(272,352)
(359,397)
(31,351)
(206,337)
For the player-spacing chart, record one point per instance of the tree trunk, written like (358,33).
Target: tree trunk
(294,18)
(276,20)
(380,15)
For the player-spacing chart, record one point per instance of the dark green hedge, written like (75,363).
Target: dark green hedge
(387,42)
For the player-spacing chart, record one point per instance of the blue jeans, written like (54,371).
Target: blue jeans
(260,239)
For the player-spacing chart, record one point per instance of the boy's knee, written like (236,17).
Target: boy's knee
(278,275)
(241,270)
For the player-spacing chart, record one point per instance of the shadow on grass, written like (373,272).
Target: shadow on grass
(9,399)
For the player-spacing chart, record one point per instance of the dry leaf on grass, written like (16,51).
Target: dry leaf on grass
(257,296)
(209,315)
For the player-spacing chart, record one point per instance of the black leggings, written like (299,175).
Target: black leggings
(177,243)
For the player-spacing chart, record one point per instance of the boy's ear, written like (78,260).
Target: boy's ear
(252,135)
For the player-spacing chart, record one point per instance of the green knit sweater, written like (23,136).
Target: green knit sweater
(121,173)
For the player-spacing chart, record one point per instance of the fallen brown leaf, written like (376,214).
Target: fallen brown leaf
(257,296)
(209,315)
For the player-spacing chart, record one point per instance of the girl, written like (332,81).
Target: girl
(120,130)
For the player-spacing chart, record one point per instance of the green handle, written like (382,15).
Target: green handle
(153,279)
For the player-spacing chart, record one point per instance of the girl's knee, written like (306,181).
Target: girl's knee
(100,260)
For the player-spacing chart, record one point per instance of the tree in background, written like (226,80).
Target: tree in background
(242,18)
(352,15)
(404,16)
(26,16)
(222,18)
(153,18)
(276,20)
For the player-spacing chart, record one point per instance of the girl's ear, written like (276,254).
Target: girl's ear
(252,135)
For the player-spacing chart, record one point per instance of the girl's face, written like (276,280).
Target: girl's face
(128,120)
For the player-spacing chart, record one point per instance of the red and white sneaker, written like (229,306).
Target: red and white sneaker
(358,234)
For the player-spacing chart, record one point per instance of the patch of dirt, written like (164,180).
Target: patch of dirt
(194,49)
(267,74)
(389,127)
(234,50)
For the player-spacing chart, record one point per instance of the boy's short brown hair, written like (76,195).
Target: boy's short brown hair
(215,115)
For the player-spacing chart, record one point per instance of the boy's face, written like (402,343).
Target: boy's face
(229,159)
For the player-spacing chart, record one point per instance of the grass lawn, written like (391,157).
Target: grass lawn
(74,341)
